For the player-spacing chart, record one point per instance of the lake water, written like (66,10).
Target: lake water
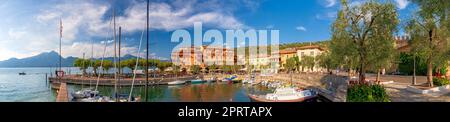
(33,87)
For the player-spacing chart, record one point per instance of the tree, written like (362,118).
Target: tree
(95,65)
(164,65)
(107,64)
(195,69)
(325,60)
(212,68)
(362,31)
(227,69)
(83,64)
(130,63)
(308,62)
(429,31)
(291,64)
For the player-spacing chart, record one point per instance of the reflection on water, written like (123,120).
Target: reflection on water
(207,92)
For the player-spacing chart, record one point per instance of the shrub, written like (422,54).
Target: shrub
(440,81)
(367,93)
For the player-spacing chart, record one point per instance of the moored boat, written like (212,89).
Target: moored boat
(22,73)
(197,81)
(84,93)
(284,95)
(177,82)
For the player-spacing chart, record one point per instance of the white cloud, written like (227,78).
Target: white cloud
(300,28)
(331,15)
(83,20)
(166,17)
(401,4)
(330,3)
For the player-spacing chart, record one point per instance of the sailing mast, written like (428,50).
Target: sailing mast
(119,73)
(115,65)
(146,61)
(60,40)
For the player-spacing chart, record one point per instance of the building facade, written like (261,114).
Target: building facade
(202,56)
(313,51)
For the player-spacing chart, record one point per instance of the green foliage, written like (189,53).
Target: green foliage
(440,81)
(406,64)
(308,62)
(107,64)
(292,63)
(83,64)
(227,69)
(364,34)
(325,60)
(195,69)
(429,31)
(367,93)
(164,65)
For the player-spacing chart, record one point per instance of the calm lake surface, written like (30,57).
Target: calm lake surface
(33,87)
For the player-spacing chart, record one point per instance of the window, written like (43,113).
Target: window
(312,53)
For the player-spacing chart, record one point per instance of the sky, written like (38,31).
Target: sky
(30,27)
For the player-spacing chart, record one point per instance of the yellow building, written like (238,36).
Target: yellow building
(285,54)
(313,51)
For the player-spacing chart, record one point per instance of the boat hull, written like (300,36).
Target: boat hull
(176,83)
(254,98)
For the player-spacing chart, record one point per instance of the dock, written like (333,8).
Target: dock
(63,95)
(78,80)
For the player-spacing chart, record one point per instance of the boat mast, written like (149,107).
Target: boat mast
(146,61)
(60,40)
(115,65)
(119,73)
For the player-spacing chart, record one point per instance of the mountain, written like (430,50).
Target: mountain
(47,59)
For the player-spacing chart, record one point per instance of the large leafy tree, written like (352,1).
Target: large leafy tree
(325,60)
(308,62)
(83,64)
(291,64)
(361,32)
(429,31)
(162,66)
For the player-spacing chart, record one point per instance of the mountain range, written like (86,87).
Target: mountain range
(47,59)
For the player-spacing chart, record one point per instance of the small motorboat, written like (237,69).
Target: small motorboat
(96,99)
(22,73)
(197,81)
(211,80)
(177,82)
(248,81)
(285,95)
(84,93)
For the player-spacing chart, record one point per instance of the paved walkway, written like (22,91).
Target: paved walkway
(63,95)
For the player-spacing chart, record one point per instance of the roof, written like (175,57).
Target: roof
(310,47)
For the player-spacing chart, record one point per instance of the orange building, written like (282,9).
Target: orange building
(202,56)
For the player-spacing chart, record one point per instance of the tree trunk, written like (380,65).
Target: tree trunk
(349,73)
(414,72)
(429,72)
(362,72)
(378,76)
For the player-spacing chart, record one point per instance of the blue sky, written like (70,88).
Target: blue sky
(30,27)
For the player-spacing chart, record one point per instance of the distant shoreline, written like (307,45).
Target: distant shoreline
(38,67)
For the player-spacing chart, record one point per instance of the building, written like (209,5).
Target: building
(402,44)
(202,56)
(313,51)
(285,54)
(260,62)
